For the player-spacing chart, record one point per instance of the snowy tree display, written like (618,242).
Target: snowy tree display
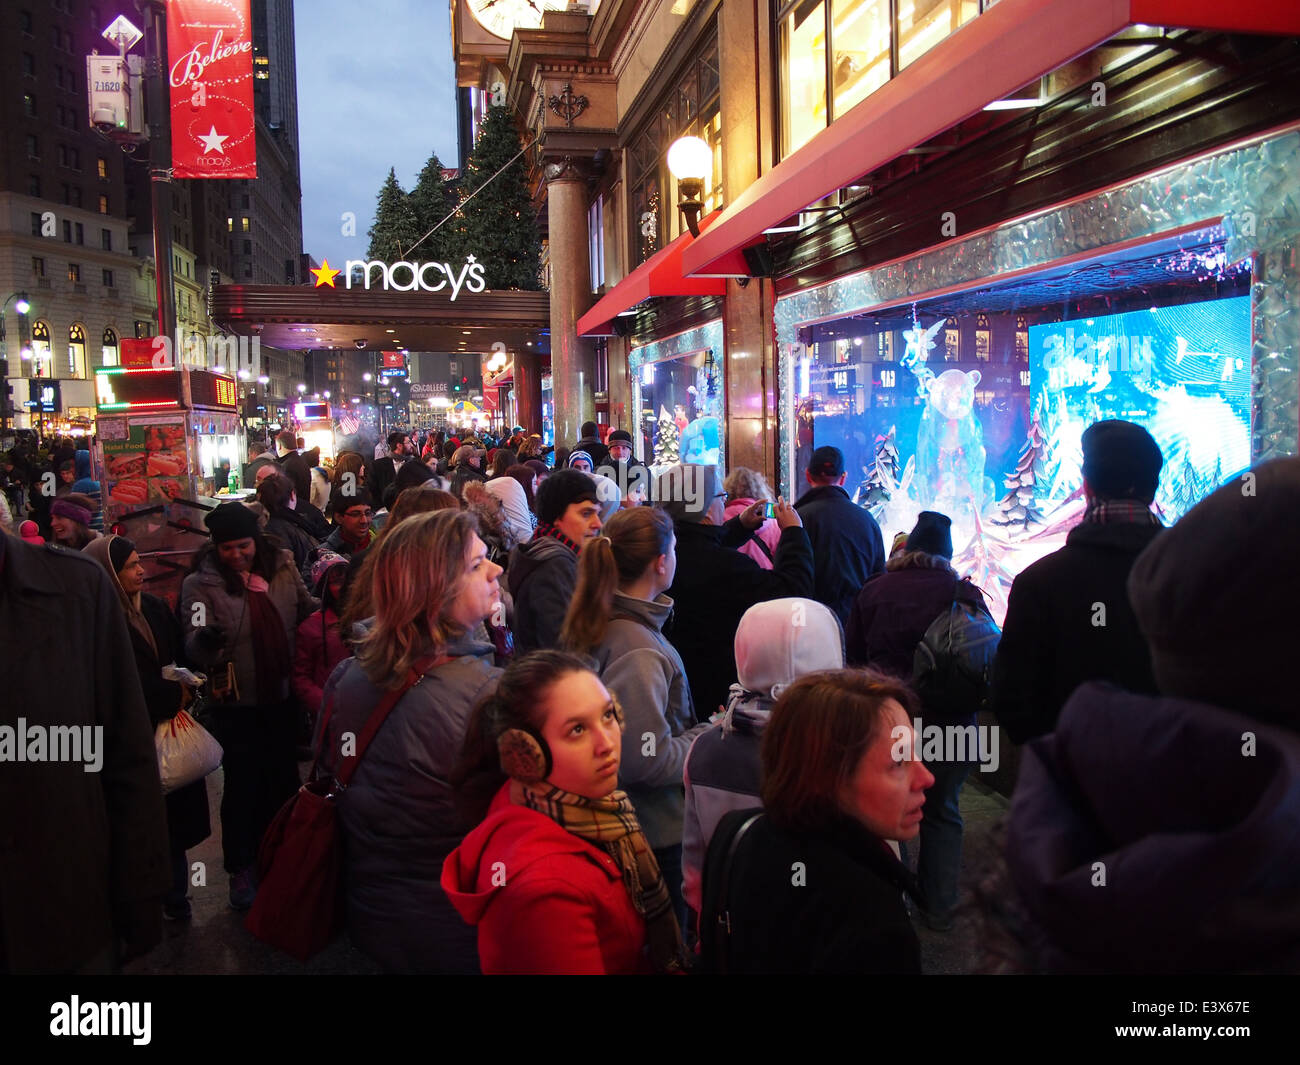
(882,482)
(1018,509)
(666,440)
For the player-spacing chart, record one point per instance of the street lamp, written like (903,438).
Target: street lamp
(691,161)
(22,306)
(302,387)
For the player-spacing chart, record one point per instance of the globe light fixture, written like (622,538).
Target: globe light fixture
(691,161)
(367,377)
(302,388)
(22,306)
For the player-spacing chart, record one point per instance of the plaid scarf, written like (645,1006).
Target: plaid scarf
(1119,512)
(610,824)
(545,528)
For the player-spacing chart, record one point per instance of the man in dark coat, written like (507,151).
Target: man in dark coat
(543,573)
(83,854)
(591,444)
(715,584)
(1068,615)
(846,543)
(1194,794)
(384,471)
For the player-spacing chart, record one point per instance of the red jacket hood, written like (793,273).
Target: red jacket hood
(517,837)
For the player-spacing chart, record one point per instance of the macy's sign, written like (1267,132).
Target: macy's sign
(408,276)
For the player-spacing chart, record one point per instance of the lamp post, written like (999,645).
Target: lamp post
(690,159)
(22,305)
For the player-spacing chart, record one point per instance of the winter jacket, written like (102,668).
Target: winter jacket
(285,526)
(640,667)
(892,612)
(206,585)
(767,536)
(87,485)
(846,544)
(461,475)
(319,649)
(714,585)
(840,911)
(1056,636)
(592,446)
(542,576)
(398,815)
(311,520)
(723,772)
(519,520)
(82,855)
(1198,844)
(336,543)
(561,907)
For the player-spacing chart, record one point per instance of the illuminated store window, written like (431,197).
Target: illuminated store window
(76,351)
(982,337)
(109,348)
(924,23)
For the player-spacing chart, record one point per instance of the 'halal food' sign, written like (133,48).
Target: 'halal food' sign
(405,276)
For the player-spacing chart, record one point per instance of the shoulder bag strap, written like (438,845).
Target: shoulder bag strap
(380,714)
(722,933)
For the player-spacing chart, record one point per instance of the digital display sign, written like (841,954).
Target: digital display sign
(208,389)
(120,389)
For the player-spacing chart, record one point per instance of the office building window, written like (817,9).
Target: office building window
(38,266)
(243,224)
(108,278)
(103,205)
(230,225)
(33,146)
(36,224)
(29,65)
(106,239)
(101,166)
(81,230)
(25,22)
(76,196)
(74,272)
(33,185)
(29,105)
(67,230)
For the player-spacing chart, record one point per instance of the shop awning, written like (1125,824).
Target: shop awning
(659,275)
(993,55)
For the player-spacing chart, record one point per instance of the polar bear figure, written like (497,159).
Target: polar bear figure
(950,452)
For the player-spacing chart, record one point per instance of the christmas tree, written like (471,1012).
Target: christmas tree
(1017,507)
(499,223)
(882,482)
(396,227)
(433,200)
(1187,489)
(666,440)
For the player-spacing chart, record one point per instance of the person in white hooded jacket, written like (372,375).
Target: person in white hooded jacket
(776,643)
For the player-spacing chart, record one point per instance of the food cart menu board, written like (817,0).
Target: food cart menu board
(145,459)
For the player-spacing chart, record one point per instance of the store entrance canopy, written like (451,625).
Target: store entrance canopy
(992,56)
(659,275)
(298,317)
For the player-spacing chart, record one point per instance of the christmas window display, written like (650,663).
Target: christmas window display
(678,393)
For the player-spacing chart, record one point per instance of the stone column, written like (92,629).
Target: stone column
(572,359)
(528,390)
(750,364)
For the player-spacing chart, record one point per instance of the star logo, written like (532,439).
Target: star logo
(212,141)
(325,275)
(470,259)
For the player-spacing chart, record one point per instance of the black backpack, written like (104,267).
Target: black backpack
(953,664)
(715,893)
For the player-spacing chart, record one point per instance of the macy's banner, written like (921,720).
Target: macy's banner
(210,48)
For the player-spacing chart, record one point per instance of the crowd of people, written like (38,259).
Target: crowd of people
(659,722)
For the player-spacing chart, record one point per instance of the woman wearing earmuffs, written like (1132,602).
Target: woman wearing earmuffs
(559,877)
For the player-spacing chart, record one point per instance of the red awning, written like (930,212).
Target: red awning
(992,56)
(659,275)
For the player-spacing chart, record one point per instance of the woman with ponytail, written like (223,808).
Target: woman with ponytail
(558,877)
(617,616)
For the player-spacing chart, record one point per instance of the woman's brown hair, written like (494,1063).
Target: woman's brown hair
(348,462)
(633,539)
(502,459)
(410,502)
(820,728)
(418,572)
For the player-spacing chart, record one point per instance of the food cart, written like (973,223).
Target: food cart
(316,427)
(170,447)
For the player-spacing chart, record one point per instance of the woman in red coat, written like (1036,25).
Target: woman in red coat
(559,877)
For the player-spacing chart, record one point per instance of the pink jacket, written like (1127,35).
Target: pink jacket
(769,532)
(318,650)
